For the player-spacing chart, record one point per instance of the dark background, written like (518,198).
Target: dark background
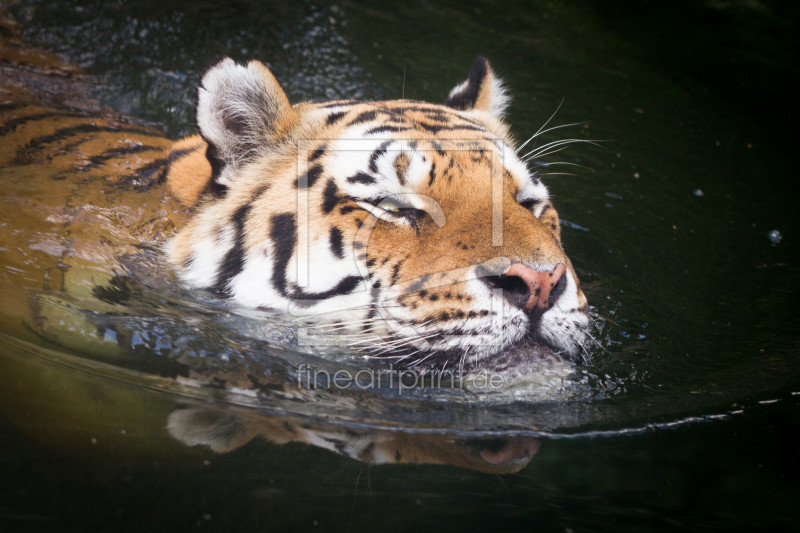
(692,407)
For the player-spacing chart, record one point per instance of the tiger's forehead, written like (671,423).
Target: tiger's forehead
(403,145)
(396,116)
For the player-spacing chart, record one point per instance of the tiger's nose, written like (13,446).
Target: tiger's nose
(542,287)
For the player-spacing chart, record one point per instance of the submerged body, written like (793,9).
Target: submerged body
(407,231)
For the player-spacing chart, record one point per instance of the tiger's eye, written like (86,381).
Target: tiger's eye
(390,205)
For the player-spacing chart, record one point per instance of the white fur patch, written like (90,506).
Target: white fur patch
(563,325)
(499,99)
(207,255)
(529,189)
(252,287)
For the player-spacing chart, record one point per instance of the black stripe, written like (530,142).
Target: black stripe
(362,177)
(432,174)
(423,107)
(309,178)
(436,129)
(335,117)
(177,155)
(530,204)
(438,148)
(213,187)
(12,125)
(438,116)
(396,272)
(283,234)
(149,169)
(313,174)
(316,154)
(71,146)
(330,197)
(233,263)
(338,103)
(336,243)
(468,96)
(258,193)
(83,128)
(116,152)
(345,286)
(365,116)
(173,157)
(143,177)
(386,129)
(418,284)
(8,106)
(437,110)
(373,158)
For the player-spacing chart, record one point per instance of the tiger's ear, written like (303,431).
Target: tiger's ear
(242,111)
(482,90)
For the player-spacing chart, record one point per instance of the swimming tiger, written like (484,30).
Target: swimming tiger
(415,222)
(414,228)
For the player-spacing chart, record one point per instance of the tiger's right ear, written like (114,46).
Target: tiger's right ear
(242,112)
(483,91)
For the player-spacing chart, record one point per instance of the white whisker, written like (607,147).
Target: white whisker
(558,174)
(552,144)
(541,128)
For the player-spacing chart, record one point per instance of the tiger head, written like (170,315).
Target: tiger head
(413,227)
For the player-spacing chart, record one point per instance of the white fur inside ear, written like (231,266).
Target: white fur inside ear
(214,97)
(458,89)
(238,107)
(482,91)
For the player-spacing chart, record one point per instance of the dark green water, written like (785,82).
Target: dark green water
(687,415)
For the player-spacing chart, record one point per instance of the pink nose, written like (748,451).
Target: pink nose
(540,284)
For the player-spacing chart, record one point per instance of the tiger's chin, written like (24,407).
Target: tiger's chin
(522,351)
(526,353)
(501,339)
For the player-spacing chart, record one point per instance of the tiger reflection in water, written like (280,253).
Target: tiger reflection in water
(227,430)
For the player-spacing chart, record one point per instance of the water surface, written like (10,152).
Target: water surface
(682,416)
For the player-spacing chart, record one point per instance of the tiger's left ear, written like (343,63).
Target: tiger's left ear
(482,91)
(242,112)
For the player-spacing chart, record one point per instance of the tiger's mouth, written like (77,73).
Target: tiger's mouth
(529,351)
(526,353)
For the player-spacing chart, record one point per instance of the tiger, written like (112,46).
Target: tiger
(410,228)
(413,229)
(416,223)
